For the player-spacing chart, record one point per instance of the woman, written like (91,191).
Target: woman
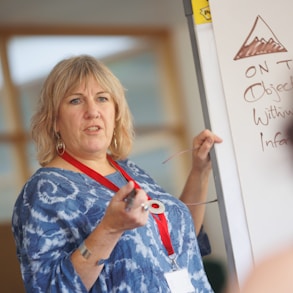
(75,226)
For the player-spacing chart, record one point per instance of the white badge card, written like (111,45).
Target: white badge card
(179,281)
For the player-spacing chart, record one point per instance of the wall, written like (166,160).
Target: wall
(10,277)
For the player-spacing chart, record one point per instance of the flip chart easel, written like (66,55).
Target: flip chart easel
(244,74)
(231,208)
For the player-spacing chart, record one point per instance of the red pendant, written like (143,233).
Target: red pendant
(156,206)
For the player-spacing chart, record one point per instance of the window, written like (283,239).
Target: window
(138,62)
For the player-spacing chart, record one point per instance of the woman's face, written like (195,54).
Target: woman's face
(86,120)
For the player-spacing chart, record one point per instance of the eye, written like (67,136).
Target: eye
(75,101)
(103,99)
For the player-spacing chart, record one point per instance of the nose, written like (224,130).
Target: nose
(92,111)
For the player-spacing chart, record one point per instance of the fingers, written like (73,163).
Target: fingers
(136,203)
(206,136)
(205,141)
(202,145)
(118,217)
(124,191)
(130,197)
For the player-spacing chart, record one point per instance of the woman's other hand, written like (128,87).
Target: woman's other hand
(202,145)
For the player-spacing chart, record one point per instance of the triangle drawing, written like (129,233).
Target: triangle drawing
(261,40)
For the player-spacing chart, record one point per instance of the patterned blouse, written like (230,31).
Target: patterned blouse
(57,209)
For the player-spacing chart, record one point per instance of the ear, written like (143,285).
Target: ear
(56,126)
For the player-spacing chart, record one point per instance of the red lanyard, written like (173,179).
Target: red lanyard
(160,218)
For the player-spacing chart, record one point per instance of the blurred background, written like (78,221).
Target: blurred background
(147,45)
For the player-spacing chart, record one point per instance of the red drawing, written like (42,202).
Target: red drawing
(261,40)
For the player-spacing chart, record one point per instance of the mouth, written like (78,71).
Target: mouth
(93,128)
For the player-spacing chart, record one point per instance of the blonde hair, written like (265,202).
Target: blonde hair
(63,78)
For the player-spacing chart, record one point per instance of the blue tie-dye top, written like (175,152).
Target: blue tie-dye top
(57,209)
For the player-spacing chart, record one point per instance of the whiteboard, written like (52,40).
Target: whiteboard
(245,60)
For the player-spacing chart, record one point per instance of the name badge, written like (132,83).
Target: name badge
(179,281)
